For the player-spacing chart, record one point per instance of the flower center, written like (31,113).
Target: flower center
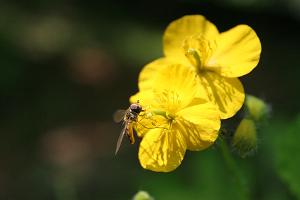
(198,50)
(194,57)
(164,114)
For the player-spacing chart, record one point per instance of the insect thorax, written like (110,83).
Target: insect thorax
(132,116)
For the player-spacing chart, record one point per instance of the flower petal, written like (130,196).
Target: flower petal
(237,53)
(148,73)
(199,125)
(145,98)
(147,76)
(184,27)
(147,121)
(227,93)
(173,87)
(162,150)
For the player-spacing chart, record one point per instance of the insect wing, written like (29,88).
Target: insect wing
(119,115)
(119,142)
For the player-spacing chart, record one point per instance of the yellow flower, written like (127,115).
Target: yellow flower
(174,119)
(216,58)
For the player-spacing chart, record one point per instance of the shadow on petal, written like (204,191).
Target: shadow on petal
(227,93)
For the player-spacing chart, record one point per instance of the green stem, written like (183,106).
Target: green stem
(233,167)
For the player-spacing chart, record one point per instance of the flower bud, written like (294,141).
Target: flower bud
(245,139)
(257,108)
(142,195)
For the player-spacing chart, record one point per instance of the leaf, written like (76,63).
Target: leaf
(284,138)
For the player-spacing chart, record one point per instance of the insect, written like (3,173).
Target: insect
(128,117)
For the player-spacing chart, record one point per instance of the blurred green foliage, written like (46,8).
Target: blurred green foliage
(284,148)
(66,66)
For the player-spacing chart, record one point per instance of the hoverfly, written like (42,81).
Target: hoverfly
(128,117)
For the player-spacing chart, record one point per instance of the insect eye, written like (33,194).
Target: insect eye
(136,108)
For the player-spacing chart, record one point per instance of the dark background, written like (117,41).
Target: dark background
(66,66)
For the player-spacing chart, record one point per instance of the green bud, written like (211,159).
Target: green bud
(142,195)
(257,108)
(245,139)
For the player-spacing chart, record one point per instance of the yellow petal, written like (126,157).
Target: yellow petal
(148,74)
(147,121)
(226,93)
(199,125)
(184,27)
(175,87)
(145,98)
(171,88)
(237,53)
(162,150)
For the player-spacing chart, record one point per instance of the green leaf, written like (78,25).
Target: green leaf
(284,139)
